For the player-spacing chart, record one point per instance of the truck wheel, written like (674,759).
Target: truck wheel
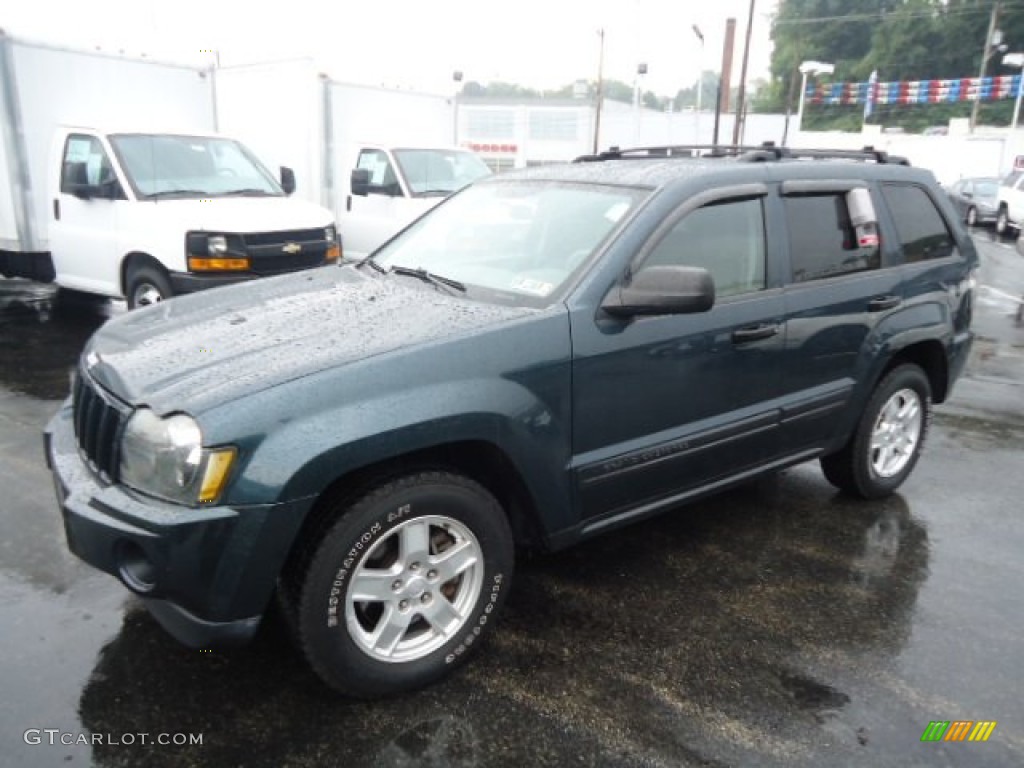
(889,437)
(147,285)
(404,585)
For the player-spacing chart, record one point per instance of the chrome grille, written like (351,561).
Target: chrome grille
(99,420)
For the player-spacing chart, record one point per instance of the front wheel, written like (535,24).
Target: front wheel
(404,585)
(146,286)
(888,439)
(972,217)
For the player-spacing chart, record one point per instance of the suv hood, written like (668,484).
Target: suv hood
(198,351)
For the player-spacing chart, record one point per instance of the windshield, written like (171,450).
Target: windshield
(512,242)
(439,171)
(986,189)
(191,166)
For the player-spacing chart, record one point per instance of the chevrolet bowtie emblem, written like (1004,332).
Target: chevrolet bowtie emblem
(291,248)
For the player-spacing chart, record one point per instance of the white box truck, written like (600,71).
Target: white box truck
(146,212)
(377,157)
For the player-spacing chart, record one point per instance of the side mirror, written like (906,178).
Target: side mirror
(360,182)
(83,191)
(663,290)
(287,180)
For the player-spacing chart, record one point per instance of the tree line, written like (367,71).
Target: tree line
(898,39)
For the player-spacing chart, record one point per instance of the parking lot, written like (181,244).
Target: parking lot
(779,624)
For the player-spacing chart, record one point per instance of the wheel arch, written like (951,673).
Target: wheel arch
(135,260)
(478,460)
(930,356)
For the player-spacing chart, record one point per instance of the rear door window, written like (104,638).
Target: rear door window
(823,242)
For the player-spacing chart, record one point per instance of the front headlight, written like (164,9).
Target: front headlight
(165,458)
(330,233)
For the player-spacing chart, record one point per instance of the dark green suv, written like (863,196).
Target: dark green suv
(547,355)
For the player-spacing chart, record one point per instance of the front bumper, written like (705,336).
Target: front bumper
(205,574)
(187,282)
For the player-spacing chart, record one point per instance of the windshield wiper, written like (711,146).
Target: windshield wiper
(428,277)
(239,192)
(170,192)
(434,192)
(369,260)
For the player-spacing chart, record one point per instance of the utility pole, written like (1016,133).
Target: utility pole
(740,98)
(992,20)
(600,90)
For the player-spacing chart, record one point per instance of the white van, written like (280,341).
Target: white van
(148,216)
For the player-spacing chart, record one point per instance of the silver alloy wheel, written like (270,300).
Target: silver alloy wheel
(415,589)
(1002,222)
(972,216)
(146,294)
(897,433)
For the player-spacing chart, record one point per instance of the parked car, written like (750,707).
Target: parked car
(976,199)
(547,355)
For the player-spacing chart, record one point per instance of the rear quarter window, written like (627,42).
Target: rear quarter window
(922,231)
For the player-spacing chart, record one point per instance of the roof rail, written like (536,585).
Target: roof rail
(768,151)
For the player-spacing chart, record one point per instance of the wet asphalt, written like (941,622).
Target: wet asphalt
(780,624)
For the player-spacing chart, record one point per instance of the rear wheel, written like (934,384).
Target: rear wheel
(889,437)
(404,585)
(146,286)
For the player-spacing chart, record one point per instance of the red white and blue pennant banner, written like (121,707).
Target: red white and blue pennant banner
(916,91)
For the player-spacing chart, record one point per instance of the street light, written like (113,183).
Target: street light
(809,68)
(1015,60)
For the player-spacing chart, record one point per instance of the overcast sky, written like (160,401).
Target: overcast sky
(538,43)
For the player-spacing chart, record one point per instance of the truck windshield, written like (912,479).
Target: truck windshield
(439,172)
(160,165)
(511,242)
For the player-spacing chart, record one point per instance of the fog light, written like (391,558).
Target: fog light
(134,567)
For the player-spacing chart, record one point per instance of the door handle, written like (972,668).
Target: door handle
(56,209)
(348,203)
(754,333)
(882,303)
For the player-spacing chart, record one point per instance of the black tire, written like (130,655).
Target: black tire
(1003,221)
(376,542)
(855,468)
(972,217)
(147,285)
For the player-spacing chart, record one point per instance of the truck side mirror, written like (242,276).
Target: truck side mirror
(287,180)
(359,182)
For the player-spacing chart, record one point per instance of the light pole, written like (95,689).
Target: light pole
(457,79)
(1015,60)
(641,70)
(700,84)
(809,68)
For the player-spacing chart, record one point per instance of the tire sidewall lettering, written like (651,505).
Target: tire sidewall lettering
(473,633)
(335,597)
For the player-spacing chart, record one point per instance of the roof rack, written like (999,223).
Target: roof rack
(768,151)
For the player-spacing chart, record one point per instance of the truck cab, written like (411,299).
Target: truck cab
(391,186)
(146,216)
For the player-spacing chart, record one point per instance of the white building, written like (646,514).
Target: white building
(517,133)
